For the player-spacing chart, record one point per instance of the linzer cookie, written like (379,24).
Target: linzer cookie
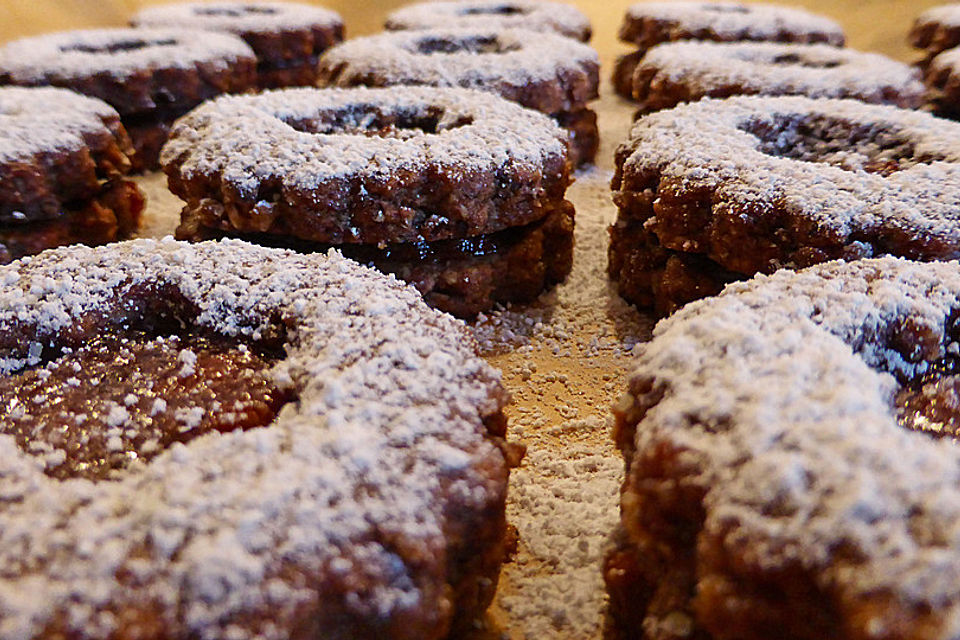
(543,71)
(790,466)
(487,15)
(150,76)
(688,71)
(721,190)
(287,37)
(227,441)
(459,191)
(63,158)
(936,30)
(648,24)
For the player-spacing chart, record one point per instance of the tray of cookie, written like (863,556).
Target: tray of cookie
(489,319)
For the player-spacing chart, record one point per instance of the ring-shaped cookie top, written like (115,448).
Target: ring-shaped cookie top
(535,15)
(55,149)
(542,71)
(277,31)
(687,71)
(768,412)
(756,183)
(369,165)
(649,23)
(134,70)
(343,514)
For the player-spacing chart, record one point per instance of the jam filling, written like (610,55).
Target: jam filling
(851,146)
(94,410)
(121,46)
(720,8)
(372,121)
(931,404)
(235,12)
(793,59)
(474,45)
(502,10)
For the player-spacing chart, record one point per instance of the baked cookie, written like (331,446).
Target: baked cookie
(648,24)
(63,158)
(936,30)
(227,441)
(287,37)
(790,472)
(150,76)
(485,15)
(542,71)
(687,71)
(386,173)
(749,184)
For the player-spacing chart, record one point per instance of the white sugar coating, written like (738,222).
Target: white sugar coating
(946,62)
(247,139)
(564,359)
(391,397)
(523,56)
(238,17)
(706,145)
(735,19)
(947,15)
(493,14)
(34,121)
(84,53)
(779,394)
(812,70)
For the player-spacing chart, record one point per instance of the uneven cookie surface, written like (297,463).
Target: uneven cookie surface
(372,506)
(63,158)
(148,75)
(755,184)
(493,14)
(287,37)
(542,71)
(771,486)
(403,164)
(648,24)
(936,30)
(687,71)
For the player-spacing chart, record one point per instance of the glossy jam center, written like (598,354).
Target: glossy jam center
(93,411)
(931,405)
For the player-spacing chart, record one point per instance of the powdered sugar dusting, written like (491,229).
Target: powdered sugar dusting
(710,145)
(780,394)
(116,52)
(238,17)
(493,14)
(34,121)
(390,400)
(771,69)
(947,15)
(564,360)
(735,20)
(249,139)
(518,57)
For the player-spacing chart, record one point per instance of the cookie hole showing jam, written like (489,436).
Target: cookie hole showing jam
(120,47)
(370,121)
(848,145)
(502,10)
(792,59)
(127,393)
(235,12)
(724,9)
(478,45)
(930,403)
